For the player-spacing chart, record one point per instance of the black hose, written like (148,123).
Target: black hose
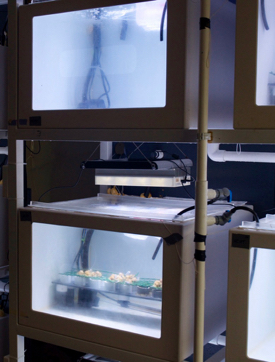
(162,21)
(254,261)
(264,15)
(157,249)
(232,211)
(85,249)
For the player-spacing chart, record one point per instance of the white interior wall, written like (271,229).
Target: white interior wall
(134,66)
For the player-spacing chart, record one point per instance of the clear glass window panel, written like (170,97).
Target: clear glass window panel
(265,89)
(98,277)
(261,314)
(109,57)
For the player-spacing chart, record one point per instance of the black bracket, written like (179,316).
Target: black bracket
(204,23)
(200,255)
(173,238)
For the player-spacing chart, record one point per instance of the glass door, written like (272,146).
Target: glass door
(255,65)
(106,278)
(107,57)
(102,66)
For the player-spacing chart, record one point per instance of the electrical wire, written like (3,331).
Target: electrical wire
(85,249)
(184,211)
(266,26)
(63,187)
(253,268)
(162,21)
(233,210)
(210,202)
(4,34)
(180,258)
(78,179)
(83,252)
(246,209)
(255,250)
(188,193)
(185,169)
(179,149)
(107,88)
(37,152)
(138,149)
(77,257)
(5,286)
(87,100)
(157,249)
(176,157)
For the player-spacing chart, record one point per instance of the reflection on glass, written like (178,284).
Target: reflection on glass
(261,315)
(99,277)
(113,57)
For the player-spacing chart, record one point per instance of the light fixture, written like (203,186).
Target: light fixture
(173,173)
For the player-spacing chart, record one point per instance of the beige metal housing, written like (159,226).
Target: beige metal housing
(239,273)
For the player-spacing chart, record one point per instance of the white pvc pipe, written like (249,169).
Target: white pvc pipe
(211,220)
(201,182)
(218,341)
(4,150)
(217,155)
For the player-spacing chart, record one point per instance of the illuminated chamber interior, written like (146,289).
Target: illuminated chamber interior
(261,315)
(98,277)
(265,89)
(112,57)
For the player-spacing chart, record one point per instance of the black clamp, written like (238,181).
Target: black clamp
(173,238)
(204,23)
(25,216)
(199,238)
(200,255)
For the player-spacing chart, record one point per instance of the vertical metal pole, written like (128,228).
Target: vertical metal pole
(201,182)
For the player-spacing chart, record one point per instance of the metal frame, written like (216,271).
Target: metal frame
(249,136)
(15,189)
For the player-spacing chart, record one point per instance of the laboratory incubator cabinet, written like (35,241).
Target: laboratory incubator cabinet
(251,254)
(117,65)
(114,278)
(255,65)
